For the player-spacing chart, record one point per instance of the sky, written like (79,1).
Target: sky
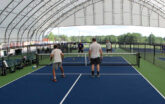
(108,30)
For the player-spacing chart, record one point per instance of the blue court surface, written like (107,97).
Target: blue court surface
(162,58)
(103,49)
(116,85)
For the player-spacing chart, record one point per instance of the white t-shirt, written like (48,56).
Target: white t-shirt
(5,63)
(95,50)
(108,45)
(57,55)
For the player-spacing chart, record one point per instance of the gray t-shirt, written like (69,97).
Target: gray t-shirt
(95,50)
(108,45)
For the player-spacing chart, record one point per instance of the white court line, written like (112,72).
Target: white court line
(21,77)
(104,74)
(70,89)
(146,80)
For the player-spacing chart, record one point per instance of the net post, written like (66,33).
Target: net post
(37,60)
(138,59)
(130,46)
(154,54)
(145,46)
(138,48)
(85,59)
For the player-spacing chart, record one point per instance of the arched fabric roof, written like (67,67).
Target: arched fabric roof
(25,20)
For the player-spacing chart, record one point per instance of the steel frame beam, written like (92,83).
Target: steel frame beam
(10,12)
(144,3)
(40,18)
(34,21)
(150,6)
(15,18)
(50,17)
(6,7)
(54,14)
(42,32)
(23,18)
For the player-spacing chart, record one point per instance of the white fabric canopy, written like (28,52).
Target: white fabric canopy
(26,20)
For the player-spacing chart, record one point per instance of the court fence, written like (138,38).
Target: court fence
(153,53)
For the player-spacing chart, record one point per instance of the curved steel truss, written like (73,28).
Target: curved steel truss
(26,20)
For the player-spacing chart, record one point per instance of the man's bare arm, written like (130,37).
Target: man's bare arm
(62,56)
(51,57)
(89,54)
(101,53)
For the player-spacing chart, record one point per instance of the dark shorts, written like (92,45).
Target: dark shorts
(80,51)
(109,50)
(163,49)
(95,60)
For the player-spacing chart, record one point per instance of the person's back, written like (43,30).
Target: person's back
(95,50)
(57,55)
(95,53)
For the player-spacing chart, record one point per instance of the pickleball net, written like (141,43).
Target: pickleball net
(82,59)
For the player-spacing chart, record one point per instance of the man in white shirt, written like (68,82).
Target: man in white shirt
(57,56)
(95,56)
(108,46)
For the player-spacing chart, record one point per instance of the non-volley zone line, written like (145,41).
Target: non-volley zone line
(103,74)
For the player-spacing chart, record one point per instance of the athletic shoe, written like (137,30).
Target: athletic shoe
(54,80)
(63,76)
(98,75)
(92,76)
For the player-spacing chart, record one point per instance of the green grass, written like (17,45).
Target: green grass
(154,74)
(13,76)
(149,56)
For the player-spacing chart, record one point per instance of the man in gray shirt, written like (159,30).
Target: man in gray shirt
(108,46)
(95,56)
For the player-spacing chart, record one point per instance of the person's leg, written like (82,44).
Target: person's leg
(54,73)
(62,70)
(98,66)
(108,50)
(92,68)
(81,50)
(98,70)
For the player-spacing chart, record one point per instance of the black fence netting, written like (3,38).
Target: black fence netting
(154,53)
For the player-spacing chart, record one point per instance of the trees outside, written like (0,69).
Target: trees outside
(124,38)
(151,39)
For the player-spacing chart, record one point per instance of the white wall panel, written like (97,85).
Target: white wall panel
(89,17)
(99,13)
(80,18)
